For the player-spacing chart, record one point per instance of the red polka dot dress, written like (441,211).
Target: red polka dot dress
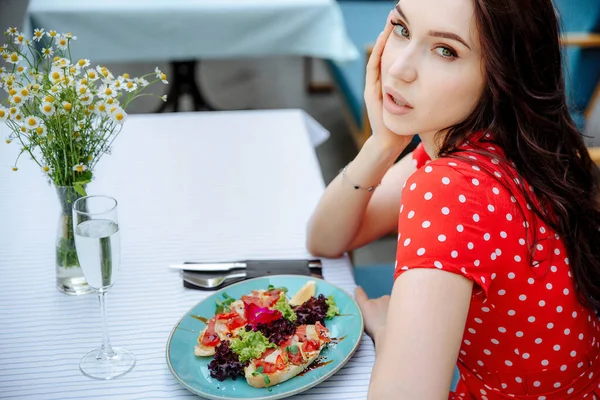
(526,336)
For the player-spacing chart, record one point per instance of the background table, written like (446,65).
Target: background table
(184,31)
(190,186)
(149,30)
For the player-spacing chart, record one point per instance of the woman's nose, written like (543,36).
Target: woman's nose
(404,66)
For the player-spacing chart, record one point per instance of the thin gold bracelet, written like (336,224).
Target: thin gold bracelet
(355,186)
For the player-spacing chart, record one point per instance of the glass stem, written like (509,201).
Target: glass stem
(106,350)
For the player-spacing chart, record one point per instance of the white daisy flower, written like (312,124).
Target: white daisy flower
(87,99)
(21,69)
(163,78)
(47,109)
(12,31)
(141,82)
(91,75)
(117,85)
(70,36)
(47,169)
(62,63)
(164,98)
(20,39)
(2,71)
(101,107)
(14,58)
(4,113)
(62,43)
(77,136)
(111,102)
(106,91)
(48,52)
(16,99)
(40,130)
(18,117)
(56,75)
(67,106)
(82,90)
(80,167)
(83,63)
(52,34)
(12,112)
(158,72)
(118,115)
(32,122)
(130,86)
(25,92)
(105,73)
(38,34)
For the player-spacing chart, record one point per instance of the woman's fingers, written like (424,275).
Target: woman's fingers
(374,63)
(360,296)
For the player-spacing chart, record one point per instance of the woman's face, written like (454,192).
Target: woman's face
(432,65)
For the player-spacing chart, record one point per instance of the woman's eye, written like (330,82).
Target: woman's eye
(400,29)
(445,52)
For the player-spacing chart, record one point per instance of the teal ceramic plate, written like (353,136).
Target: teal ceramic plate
(192,372)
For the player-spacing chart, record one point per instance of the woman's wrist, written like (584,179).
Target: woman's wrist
(387,148)
(378,337)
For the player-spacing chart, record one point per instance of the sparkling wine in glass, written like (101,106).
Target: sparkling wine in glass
(99,251)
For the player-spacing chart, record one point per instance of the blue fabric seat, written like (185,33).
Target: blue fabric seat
(364,21)
(582,64)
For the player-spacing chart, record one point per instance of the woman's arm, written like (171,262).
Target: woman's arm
(346,218)
(417,349)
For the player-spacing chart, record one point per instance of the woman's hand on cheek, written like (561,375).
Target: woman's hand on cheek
(374,96)
(374,312)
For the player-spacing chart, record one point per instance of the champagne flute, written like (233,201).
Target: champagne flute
(99,251)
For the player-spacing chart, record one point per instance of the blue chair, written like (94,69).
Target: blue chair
(364,21)
(580,21)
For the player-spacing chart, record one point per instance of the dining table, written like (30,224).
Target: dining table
(194,186)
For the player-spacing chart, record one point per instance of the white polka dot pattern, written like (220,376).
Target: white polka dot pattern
(525,321)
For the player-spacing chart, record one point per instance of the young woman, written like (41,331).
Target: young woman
(497,211)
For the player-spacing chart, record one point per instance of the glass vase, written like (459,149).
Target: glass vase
(69,276)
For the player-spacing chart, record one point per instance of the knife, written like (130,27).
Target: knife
(281,266)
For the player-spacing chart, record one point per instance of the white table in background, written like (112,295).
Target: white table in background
(150,30)
(190,186)
(186,31)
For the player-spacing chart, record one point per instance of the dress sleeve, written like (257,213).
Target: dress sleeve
(447,221)
(420,156)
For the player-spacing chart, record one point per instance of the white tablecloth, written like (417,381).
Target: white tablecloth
(190,186)
(149,30)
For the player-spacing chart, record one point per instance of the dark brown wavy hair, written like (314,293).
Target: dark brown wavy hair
(524,106)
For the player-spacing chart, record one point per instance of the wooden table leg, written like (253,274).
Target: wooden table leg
(314,87)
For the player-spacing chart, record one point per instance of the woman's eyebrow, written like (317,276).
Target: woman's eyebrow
(449,35)
(445,35)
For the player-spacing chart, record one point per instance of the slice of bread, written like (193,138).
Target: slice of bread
(203,351)
(289,372)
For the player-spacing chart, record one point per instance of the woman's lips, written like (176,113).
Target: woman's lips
(390,103)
